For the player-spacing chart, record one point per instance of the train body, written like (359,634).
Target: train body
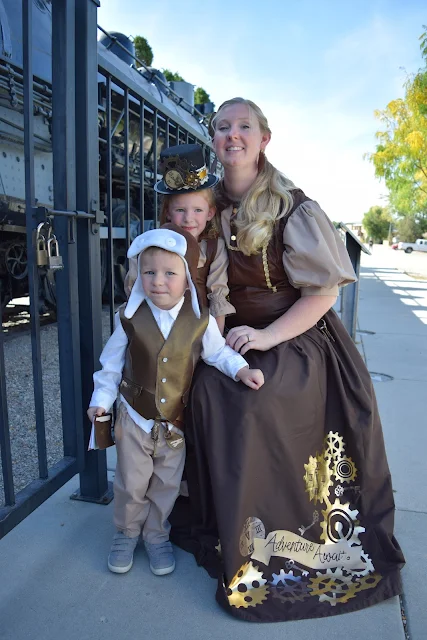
(138,128)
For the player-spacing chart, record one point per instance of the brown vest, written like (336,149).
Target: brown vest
(257,304)
(157,373)
(203,272)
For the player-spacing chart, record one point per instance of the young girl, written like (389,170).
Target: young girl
(188,201)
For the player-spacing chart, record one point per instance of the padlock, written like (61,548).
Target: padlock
(54,260)
(41,251)
(40,246)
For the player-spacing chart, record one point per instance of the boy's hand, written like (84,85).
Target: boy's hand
(95,411)
(253,378)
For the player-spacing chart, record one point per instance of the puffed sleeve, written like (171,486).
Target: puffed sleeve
(131,276)
(216,283)
(315,258)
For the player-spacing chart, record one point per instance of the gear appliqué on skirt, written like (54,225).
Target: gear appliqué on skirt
(329,480)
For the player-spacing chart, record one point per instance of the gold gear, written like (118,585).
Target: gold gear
(248,588)
(331,534)
(345,470)
(333,587)
(317,478)
(249,598)
(369,582)
(192,179)
(333,446)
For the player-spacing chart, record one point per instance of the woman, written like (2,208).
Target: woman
(291,503)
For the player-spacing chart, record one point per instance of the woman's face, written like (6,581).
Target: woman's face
(238,138)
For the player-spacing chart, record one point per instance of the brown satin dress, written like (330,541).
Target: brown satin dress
(288,484)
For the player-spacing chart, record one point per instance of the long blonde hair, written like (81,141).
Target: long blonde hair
(268,199)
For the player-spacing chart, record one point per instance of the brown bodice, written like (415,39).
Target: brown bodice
(258,304)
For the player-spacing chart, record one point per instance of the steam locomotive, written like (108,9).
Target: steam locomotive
(115,51)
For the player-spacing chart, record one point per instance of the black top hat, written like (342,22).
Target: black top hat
(184,170)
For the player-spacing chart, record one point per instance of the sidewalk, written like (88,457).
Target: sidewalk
(54,578)
(393,305)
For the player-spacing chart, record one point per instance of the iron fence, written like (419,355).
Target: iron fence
(104,124)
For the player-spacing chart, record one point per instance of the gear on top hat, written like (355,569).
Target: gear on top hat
(184,170)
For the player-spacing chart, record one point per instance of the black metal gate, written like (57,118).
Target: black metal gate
(107,123)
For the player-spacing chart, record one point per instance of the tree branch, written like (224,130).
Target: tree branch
(420,167)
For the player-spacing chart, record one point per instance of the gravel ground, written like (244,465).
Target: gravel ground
(20,399)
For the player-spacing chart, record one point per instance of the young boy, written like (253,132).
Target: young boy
(160,335)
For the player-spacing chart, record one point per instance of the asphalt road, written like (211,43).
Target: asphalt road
(414,263)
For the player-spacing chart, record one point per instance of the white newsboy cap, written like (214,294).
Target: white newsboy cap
(168,240)
(162,238)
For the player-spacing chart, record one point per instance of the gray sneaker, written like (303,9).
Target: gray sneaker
(161,557)
(120,559)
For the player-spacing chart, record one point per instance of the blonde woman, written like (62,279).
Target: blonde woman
(290,491)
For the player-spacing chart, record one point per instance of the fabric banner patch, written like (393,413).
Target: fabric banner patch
(310,554)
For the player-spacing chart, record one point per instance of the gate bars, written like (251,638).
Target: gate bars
(78,285)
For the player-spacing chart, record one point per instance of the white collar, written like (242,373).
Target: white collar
(173,313)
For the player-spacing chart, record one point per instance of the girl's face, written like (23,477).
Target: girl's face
(238,138)
(191,212)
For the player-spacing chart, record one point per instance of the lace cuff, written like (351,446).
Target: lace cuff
(219,305)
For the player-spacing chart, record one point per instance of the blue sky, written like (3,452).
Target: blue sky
(318,70)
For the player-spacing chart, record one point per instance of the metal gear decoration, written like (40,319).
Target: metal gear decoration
(333,446)
(280,577)
(248,588)
(369,582)
(340,523)
(289,588)
(317,478)
(193,179)
(345,470)
(333,587)
(339,490)
(368,566)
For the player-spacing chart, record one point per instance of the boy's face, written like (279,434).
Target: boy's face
(163,277)
(191,212)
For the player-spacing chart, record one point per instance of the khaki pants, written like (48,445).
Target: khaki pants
(145,488)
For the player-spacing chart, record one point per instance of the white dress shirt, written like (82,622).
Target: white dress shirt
(214,352)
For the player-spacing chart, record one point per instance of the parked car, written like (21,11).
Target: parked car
(409,247)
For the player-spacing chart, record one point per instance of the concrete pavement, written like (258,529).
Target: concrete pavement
(55,582)
(393,318)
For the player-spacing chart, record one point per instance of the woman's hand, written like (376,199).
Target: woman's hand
(243,338)
(95,411)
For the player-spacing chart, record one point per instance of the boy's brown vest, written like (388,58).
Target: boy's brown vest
(157,373)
